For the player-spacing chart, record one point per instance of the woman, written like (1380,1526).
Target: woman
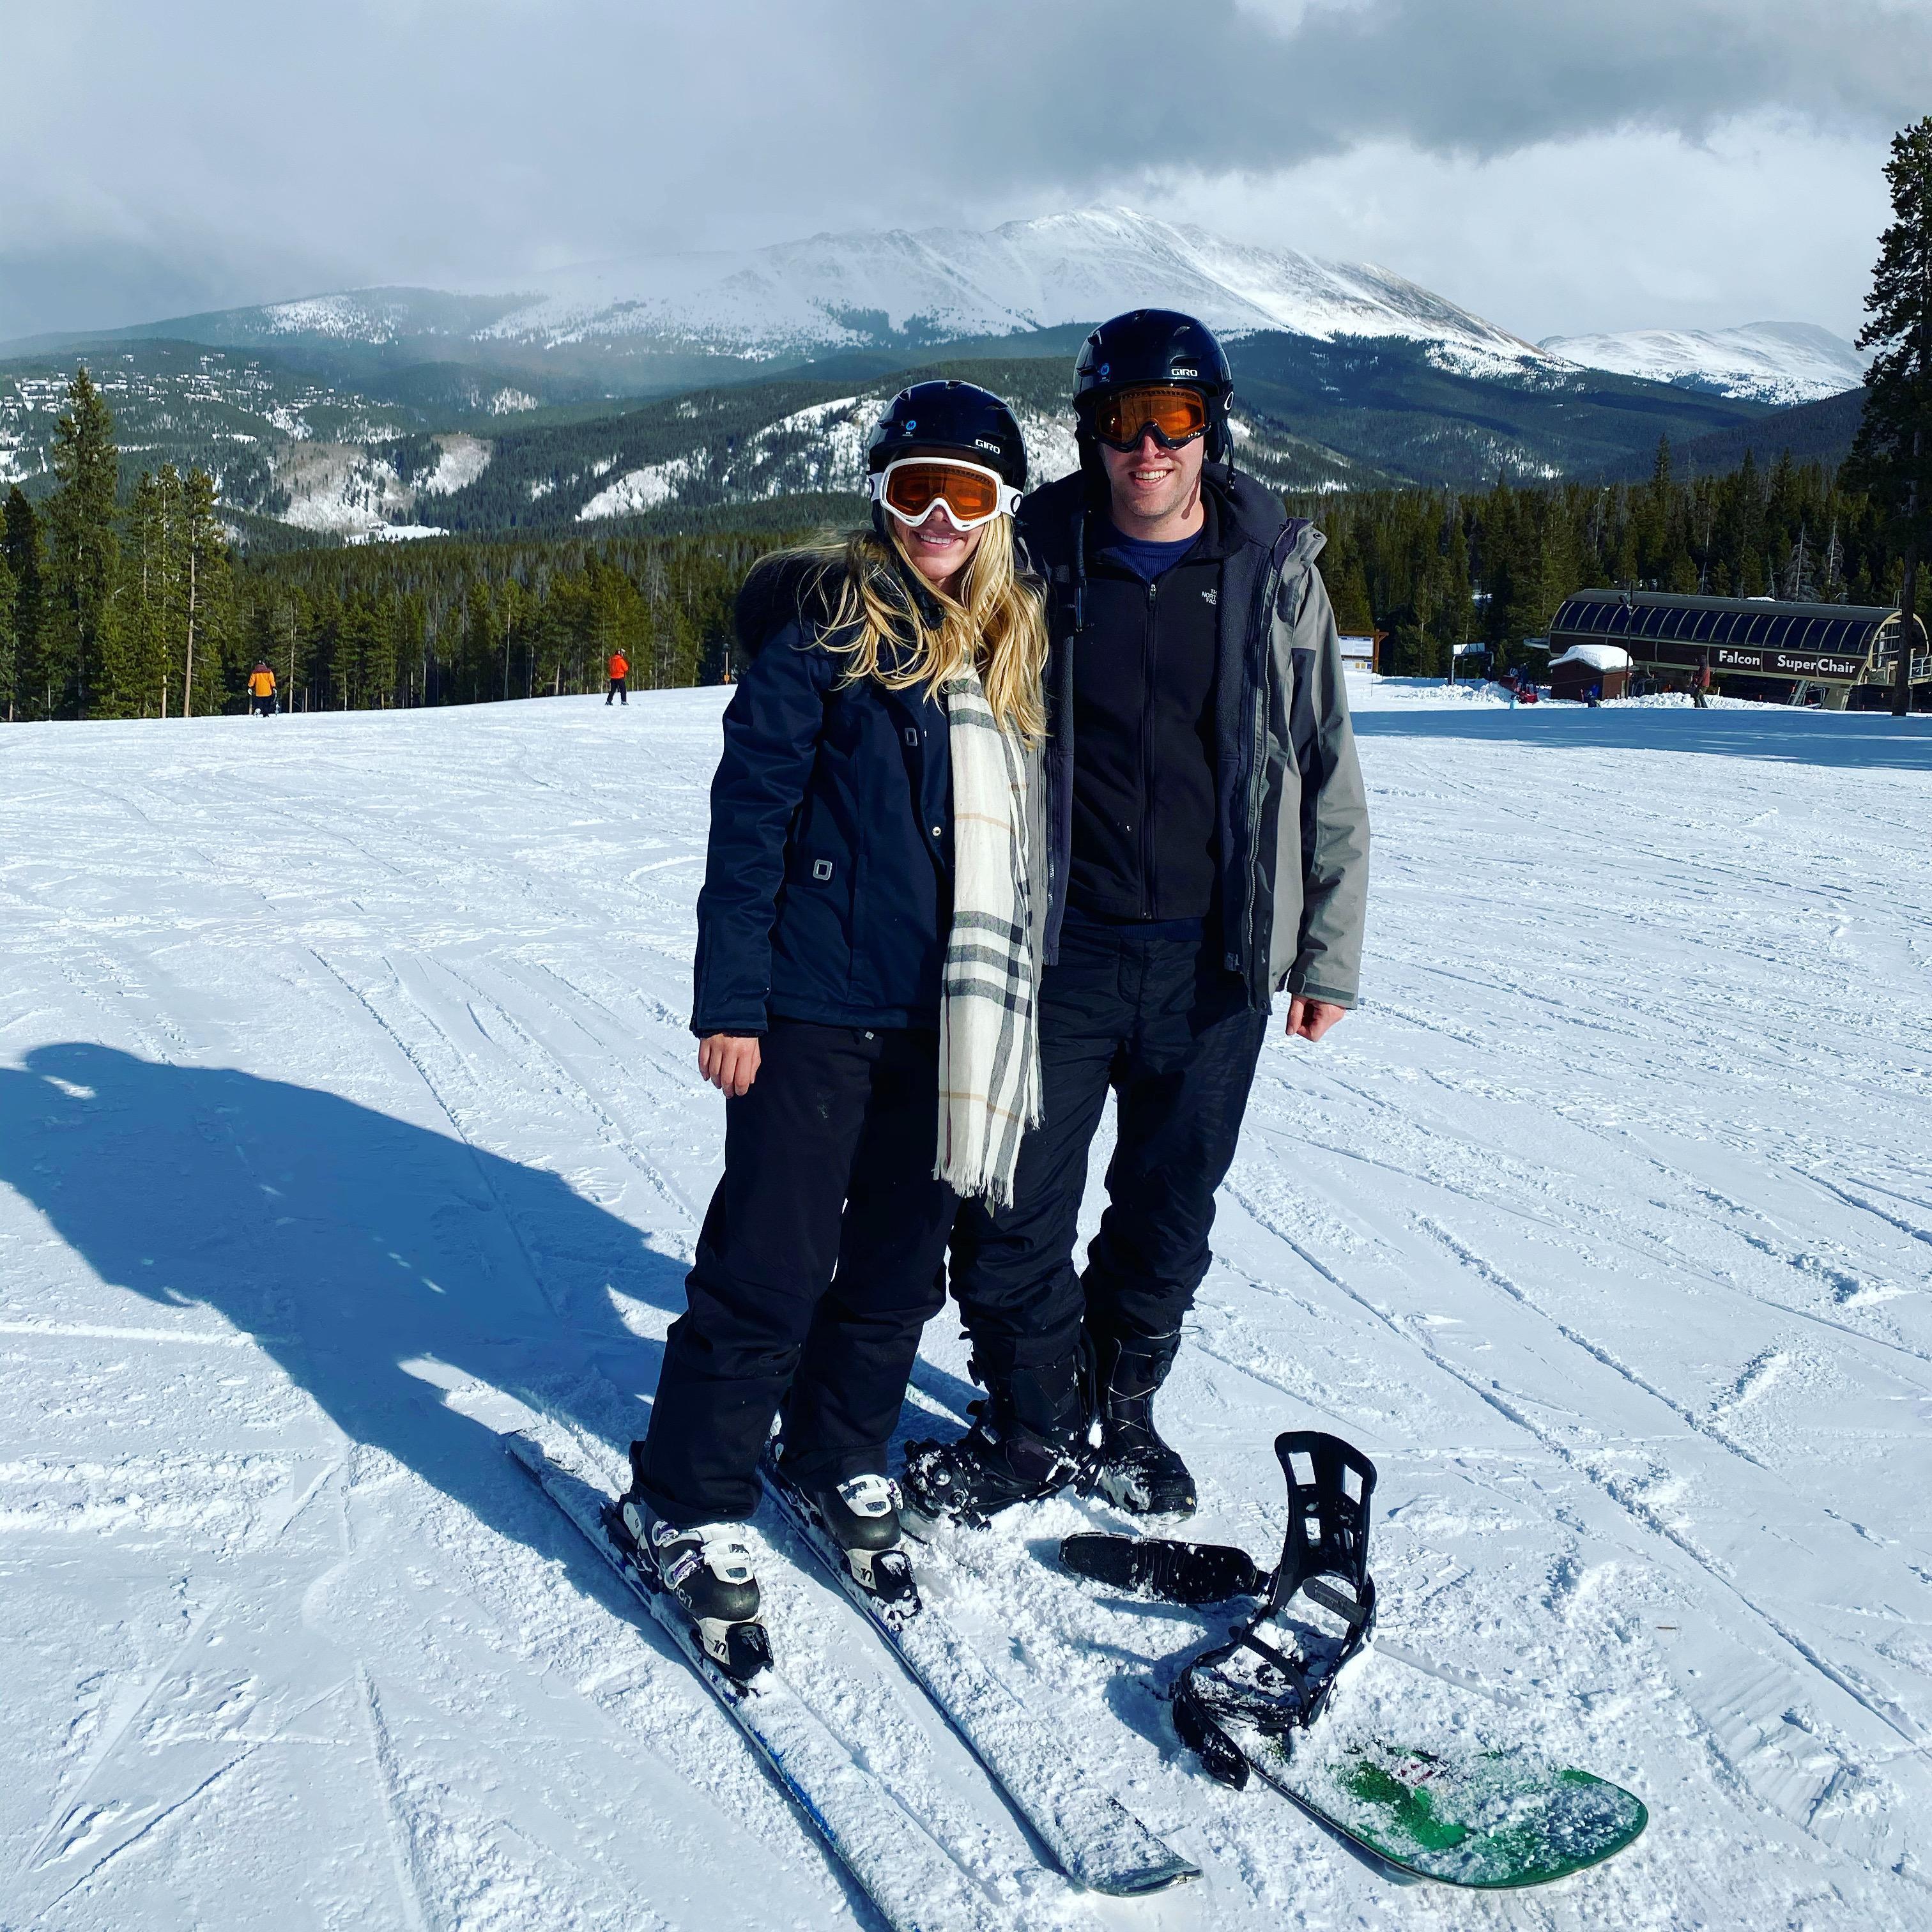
(865,993)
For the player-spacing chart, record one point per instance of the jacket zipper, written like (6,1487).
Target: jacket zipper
(1147,661)
(1257,969)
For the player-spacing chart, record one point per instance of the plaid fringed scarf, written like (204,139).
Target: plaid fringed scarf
(988,1019)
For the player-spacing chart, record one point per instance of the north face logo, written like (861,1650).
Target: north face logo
(1209,597)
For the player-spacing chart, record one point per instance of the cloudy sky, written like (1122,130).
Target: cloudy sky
(1559,165)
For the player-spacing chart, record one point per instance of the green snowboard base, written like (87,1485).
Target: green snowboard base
(1493,1819)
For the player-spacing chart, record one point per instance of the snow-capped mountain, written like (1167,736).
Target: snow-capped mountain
(893,288)
(843,291)
(1764,362)
(689,380)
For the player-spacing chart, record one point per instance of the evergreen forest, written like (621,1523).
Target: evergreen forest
(133,602)
(1436,568)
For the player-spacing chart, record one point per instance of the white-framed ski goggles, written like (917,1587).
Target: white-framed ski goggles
(970,494)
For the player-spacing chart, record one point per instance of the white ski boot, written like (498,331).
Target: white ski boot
(707,1567)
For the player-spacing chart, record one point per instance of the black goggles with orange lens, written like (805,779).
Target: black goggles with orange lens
(1120,418)
(969,493)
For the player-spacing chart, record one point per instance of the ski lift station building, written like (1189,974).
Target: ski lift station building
(1753,647)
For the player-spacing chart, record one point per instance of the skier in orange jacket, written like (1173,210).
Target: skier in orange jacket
(620,670)
(261,692)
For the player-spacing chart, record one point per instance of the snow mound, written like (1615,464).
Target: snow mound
(1597,657)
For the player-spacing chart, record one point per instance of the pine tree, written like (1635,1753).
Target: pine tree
(210,605)
(8,660)
(154,594)
(20,543)
(1892,456)
(83,547)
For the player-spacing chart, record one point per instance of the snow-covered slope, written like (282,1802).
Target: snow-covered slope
(350,491)
(838,290)
(820,448)
(1763,361)
(347,1116)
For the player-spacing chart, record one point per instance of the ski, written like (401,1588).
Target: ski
(1097,1842)
(1491,1820)
(909,1879)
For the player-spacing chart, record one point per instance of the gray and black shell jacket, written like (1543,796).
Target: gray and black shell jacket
(1292,822)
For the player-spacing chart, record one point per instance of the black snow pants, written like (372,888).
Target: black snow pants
(818,1266)
(618,689)
(1162,1022)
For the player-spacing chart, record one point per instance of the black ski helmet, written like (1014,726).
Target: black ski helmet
(950,415)
(1156,345)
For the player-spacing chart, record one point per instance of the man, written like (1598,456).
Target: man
(1208,846)
(261,691)
(619,669)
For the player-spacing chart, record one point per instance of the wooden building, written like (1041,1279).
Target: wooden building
(1588,671)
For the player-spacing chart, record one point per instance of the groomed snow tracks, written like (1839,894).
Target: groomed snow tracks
(1097,1841)
(916,1886)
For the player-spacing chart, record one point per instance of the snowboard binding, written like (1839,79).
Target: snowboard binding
(1274,1675)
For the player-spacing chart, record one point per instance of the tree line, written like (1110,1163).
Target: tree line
(133,604)
(138,607)
(1432,569)
(451,621)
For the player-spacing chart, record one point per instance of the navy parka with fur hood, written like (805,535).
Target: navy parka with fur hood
(828,879)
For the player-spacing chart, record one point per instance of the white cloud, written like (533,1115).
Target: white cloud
(212,152)
(1766,221)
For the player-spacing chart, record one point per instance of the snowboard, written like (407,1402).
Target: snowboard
(1493,1820)
(1261,1703)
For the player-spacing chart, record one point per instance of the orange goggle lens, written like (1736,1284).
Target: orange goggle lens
(913,488)
(1174,414)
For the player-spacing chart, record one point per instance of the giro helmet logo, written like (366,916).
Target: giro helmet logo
(1178,371)
(980,443)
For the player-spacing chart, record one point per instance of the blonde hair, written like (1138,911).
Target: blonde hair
(997,625)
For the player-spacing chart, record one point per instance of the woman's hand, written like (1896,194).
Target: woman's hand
(729,1061)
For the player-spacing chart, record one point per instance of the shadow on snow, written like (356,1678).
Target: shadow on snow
(1858,740)
(347,1244)
(378,1263)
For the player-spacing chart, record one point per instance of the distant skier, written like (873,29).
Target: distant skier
(619,668)
(1700,686)
(866,940)
(1209,847)
(261,692)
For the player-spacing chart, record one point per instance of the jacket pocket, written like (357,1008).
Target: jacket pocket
(812,939)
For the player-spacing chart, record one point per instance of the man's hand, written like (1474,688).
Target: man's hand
(729,1061)
(1310,1019)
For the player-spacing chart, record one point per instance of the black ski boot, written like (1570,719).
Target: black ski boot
(861,1515)
(1027,1442)
(1133,1468)
(707,1567)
